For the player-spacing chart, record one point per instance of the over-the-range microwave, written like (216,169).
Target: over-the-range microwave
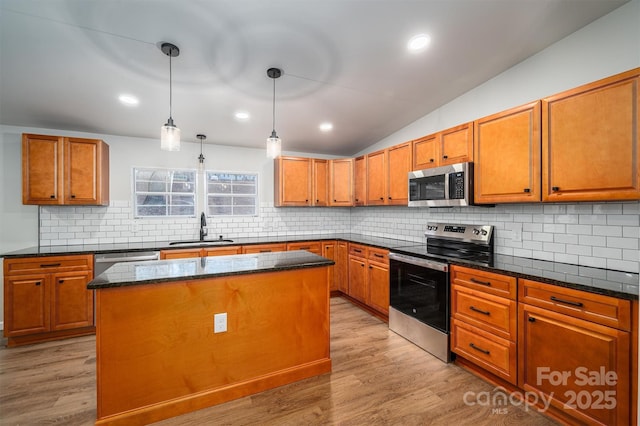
(446,186)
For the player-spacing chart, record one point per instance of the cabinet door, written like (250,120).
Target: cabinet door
(320,179)
(342,266)
(507,156)
(221,251)
(180,253)
(341,193)
(264,248)
(378,283)
(360,167)
(292,181)
(398,169)
(426,152)
(83,171)
(357,279)
(376,178)
(456,144)
(590,146)
(548,348)
(41,169)
(329,251)
(71,302)
(26,304)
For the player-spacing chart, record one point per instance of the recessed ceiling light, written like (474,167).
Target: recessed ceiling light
(128,100)
(326,127)
(418,42)
(242,116)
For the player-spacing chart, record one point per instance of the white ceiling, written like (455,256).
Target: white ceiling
(63,63)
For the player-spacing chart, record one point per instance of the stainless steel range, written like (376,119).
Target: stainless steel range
(419,282)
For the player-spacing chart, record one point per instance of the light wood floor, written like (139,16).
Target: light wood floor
(378,378)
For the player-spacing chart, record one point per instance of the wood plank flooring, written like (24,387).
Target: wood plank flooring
(378,378)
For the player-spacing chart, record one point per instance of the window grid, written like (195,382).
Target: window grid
(231,194)
(164,192)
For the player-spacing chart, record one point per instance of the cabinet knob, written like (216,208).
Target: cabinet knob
(52,196)
(335,201)
(527,190)
(357,199)
(370,267)
(532,319)
(445,156)
(61,281)
(555,188)
(38,283)
(73,196)
(381,198)
(431,160)
(317,201)
(390,198)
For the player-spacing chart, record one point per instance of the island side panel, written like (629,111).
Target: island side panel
(156,347)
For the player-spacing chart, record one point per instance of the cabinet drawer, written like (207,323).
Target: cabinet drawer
(487,282)
(30,265)
(597,308)
(490,352)
(491,313)
(378,255)
(264,248)
(310,246)
(358,250)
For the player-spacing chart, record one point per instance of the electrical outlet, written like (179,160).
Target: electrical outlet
(220,323)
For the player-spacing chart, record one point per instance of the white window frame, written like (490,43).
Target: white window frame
(256,195)
(168,193)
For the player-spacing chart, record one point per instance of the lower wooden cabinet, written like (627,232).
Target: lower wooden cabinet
(310,246)
(46,298)
(369,277)
(342,266)
(581,366)
(200,252)
(264,248)
(483,320)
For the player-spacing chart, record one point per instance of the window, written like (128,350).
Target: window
(232,194)
(164,192)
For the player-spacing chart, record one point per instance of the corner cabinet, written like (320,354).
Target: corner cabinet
(46,298)
(341,182)
(64,171)
(590,144)
(507,156)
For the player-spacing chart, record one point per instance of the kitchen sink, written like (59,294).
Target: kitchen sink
(199,243)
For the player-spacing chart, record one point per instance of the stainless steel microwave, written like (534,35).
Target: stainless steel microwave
(446,186)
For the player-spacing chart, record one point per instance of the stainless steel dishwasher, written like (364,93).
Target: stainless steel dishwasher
(101,262)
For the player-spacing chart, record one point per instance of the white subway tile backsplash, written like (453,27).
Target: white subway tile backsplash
(588,234)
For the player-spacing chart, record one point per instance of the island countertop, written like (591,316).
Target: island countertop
(153,272)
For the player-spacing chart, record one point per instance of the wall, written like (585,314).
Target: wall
(607,46)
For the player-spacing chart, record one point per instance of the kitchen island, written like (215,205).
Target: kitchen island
(158,355)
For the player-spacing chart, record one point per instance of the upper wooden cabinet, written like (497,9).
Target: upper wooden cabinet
(590,146)
(341,182)
(451,146)
(62,170)
(292,181)
(360,172)
(320,176)
(507,156)
(387,180)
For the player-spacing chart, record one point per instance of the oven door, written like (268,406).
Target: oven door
(419,288)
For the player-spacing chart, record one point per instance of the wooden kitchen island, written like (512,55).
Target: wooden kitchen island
(158,355)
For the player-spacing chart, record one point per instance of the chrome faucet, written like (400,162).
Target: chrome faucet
(203,223)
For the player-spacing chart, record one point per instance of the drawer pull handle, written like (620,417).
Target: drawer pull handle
(532,319)
(49,265)
(484,351)
(53,197)
(38,283)
(304,248)
(61,281)
(567,302)
(480,311)
(378,255)
(265,251)
(473,280)
(357,250)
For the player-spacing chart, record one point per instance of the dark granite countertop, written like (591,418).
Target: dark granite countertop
(620,284)
(154,272)
(164,245)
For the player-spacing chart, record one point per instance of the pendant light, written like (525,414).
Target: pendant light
(169,133)
(201,156)
(274,145)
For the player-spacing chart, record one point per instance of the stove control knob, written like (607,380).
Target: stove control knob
(484,232)
(476,231)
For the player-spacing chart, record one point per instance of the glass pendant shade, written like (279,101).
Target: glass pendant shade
(274,145)
(170,137)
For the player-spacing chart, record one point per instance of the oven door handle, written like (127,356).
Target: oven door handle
(438,266)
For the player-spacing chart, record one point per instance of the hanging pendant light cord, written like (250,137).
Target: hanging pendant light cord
(170,85)
(274,105)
